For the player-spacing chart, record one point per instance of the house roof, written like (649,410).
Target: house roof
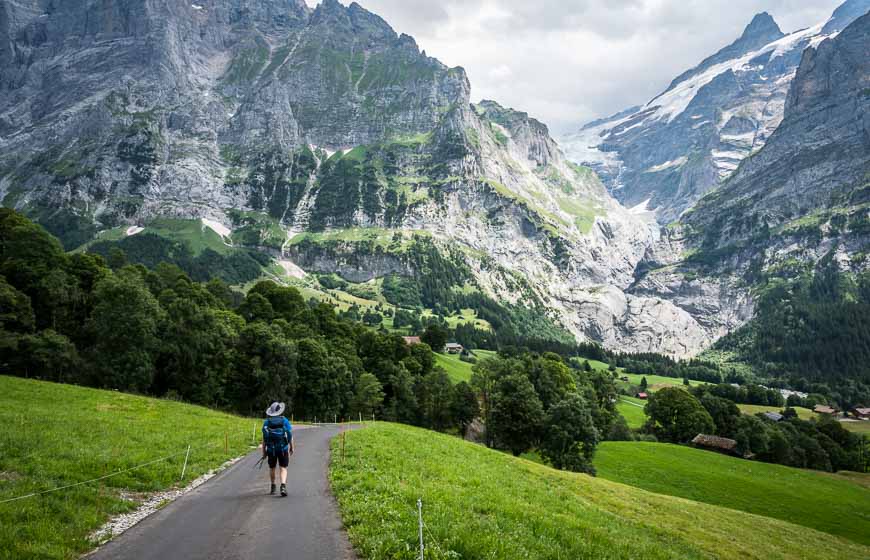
(862,409)
(824,409)
(411,340)
(714,442)
(454,345)
(642,395)
(775,416)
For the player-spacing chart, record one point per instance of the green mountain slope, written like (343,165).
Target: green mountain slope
(822,501)
(478,503)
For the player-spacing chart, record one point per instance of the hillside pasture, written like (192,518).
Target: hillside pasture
(480,503)
(832,504)
(632,410)
(803,413)
(92,434)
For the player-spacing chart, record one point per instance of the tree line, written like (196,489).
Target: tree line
(75,318)
(677,415)
(72,318)
(534,401)
(812,332)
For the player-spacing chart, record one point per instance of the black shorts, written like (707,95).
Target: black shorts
(282,459)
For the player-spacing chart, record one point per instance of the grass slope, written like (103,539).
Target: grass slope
(632,410)
(456,368)
(830,504)
(54,435)
(654,382)
(479,503)
(803,413)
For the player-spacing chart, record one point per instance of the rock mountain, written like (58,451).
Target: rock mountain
(670,152)
(327,140)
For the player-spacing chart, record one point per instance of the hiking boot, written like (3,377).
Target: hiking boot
(272,491)
(283,490)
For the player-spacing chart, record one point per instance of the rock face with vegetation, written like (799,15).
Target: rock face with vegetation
(320,136)
(325,140)
(784,241)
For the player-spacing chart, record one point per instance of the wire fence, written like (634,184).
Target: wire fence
(187,451)
(104,477)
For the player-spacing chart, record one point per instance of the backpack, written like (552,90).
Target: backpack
(277,438)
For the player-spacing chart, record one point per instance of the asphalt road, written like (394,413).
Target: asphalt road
(233,517)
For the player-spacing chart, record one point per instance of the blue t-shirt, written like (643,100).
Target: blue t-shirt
(288,430)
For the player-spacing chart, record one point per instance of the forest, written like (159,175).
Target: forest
(812,333)
(73,318)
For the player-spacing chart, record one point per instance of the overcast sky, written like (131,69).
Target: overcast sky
(570,61)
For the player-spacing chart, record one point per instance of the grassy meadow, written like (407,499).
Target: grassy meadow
(458,370)
(861,427)
(803,413)
(838,505)
(632,410)
(479,503)
(54,435)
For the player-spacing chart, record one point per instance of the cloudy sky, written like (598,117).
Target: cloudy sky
(570,61)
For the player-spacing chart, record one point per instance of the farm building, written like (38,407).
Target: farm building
(453,348)
(861,412)
(824,409)
(775,416)
(642,396)
(716,443)
(411,340)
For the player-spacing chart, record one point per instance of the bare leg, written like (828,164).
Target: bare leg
(283,475)
(272,475)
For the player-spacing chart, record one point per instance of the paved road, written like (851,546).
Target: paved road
(233,517)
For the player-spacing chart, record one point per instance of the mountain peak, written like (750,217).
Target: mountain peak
(760,31)
(762,26)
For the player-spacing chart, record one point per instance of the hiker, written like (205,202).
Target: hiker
(277,443)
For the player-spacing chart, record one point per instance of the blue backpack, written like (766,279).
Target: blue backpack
(277,438)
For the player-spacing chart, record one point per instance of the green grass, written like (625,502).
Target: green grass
(456,369)
(857,427)
(465,316)
(194,232)
(378,236)
(799,496)
(803,413)
(632,410)
(656,382)
(479,503)
(54,435)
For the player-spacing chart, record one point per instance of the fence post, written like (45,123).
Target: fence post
(420,524)
(184,468)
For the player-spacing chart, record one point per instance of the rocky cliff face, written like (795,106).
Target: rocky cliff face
(683,143)
(805,195)
(272,121)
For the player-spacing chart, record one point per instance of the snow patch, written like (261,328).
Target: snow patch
(641,208)
(133,230)
(196,7)
(727,154)
(673,103)
(217,227)
(679,162)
